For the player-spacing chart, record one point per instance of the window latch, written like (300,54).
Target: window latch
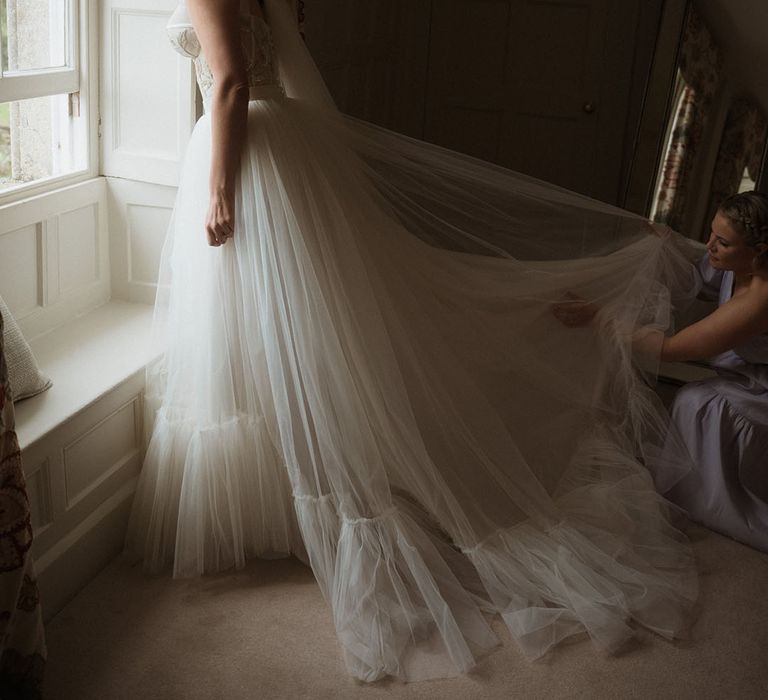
(74,104)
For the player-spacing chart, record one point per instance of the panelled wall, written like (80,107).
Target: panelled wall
(80,478)
(148,110)
(54,250)
(71,260)
(139,213)
(146,93)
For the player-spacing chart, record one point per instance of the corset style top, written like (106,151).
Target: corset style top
(255,39)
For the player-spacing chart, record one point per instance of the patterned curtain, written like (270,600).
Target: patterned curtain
(22,640)
(699,72)
(741,151)
(680,138)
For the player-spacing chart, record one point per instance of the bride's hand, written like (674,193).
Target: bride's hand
(220,222)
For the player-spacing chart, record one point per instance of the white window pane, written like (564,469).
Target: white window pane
(35,34)
(39,139)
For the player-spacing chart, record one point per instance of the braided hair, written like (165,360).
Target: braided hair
(748,214)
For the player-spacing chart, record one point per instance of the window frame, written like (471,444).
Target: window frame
(79,79)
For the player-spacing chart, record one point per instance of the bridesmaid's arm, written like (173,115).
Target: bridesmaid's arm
(731,325)
(217,26)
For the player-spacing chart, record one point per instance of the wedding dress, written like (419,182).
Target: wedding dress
(369,375)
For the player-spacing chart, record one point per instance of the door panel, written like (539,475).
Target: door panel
(539,86)
(373,56)
(524,89)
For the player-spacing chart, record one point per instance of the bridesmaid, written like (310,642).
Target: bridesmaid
(724,420)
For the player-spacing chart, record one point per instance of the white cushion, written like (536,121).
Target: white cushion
(24,376)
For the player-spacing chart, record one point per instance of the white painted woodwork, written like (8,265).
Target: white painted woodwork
(86,549)
(38,478)
(24,87)
(79,254)
(85,357)
(20,279)
(146,228)
(81,439)
(43,81)
(86,86)
(139,214)
(147,99)
(54,256)
(82,443)
(112,441)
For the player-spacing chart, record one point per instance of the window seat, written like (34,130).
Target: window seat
(81,443)
(86,358)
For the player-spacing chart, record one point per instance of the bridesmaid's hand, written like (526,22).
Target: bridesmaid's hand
(573,311)
(220,222)
(648,341)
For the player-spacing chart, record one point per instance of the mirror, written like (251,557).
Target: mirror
(704,131)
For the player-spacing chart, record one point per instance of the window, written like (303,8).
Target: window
(43,125)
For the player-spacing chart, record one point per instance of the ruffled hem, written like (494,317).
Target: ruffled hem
(398,607)
(410,603)
(211,496)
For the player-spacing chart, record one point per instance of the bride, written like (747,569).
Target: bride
(361,368)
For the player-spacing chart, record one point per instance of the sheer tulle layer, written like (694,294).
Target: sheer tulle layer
(451,449)
(211,496)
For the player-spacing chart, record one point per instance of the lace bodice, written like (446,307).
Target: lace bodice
(256,41)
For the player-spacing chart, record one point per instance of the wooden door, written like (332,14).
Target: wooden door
(535,85)
(373,56)
(539,86)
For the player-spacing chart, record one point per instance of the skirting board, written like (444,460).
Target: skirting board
(67,567)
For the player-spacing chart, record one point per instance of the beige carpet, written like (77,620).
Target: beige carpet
(265,633)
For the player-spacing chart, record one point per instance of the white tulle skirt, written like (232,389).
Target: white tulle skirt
(410,420)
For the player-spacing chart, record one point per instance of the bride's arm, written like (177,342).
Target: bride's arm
(216,23)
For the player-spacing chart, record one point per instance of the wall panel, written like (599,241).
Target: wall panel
(95,454)
(147,100)
(139,214)
(146,229)
(20,268)
(54,256)
(79,263)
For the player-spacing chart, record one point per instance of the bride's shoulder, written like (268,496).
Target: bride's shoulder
(182,34)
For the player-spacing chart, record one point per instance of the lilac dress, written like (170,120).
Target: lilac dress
(724,423)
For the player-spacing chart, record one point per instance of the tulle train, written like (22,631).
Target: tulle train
(349,369)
